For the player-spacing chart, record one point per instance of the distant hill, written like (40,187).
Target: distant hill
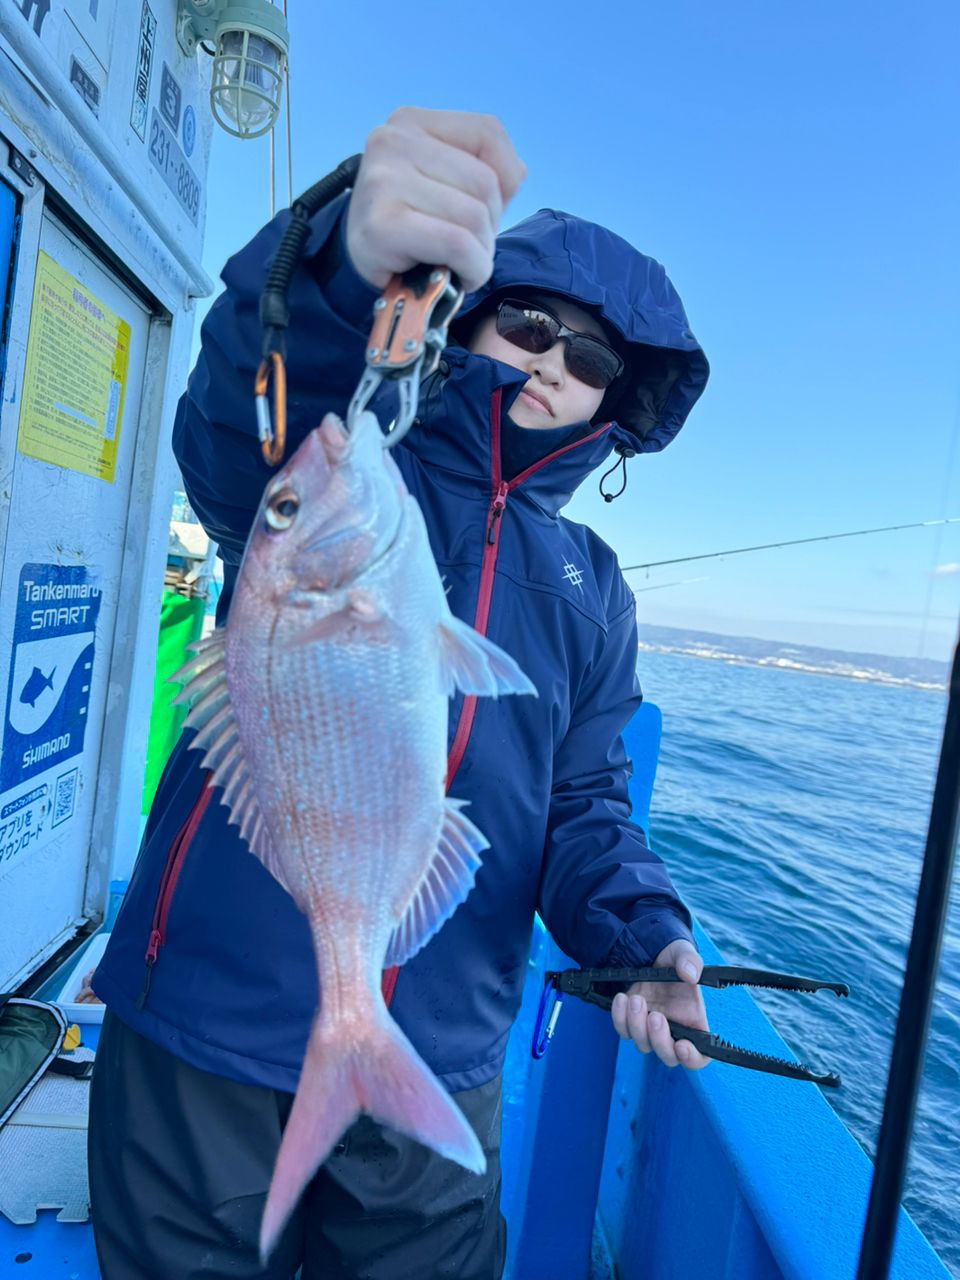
(878,668)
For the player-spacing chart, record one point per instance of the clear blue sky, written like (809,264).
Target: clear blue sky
(795,169)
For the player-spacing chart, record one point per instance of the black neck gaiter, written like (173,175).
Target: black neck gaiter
(522,447)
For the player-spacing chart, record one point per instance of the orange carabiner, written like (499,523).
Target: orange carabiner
(272,443)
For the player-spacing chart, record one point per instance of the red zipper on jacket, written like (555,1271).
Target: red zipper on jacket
(168,882)
(500,490)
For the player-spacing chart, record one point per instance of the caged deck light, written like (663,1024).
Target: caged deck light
(250,43)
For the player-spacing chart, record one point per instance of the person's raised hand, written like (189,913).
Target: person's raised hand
(640,1014)
(432,187)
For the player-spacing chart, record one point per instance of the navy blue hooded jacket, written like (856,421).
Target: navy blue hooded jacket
(210,958)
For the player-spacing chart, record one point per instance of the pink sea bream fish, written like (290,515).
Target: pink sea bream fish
(322,711)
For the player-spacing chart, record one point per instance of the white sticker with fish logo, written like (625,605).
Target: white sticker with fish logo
(41,671)
(48,692)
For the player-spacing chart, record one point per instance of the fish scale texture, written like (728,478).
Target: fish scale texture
(355,789)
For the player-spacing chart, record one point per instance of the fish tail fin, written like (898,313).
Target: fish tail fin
(398,1089)
(325,1106)
(383,1077)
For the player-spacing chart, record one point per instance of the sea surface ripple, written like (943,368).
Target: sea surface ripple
(792,812)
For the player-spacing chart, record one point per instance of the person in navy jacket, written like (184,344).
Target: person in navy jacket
(570,347)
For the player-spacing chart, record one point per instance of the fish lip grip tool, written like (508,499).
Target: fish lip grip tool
(599,986)
(410,320)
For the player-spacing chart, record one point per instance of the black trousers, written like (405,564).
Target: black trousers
(180,1162)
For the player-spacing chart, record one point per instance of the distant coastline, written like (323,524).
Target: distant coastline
(750,651)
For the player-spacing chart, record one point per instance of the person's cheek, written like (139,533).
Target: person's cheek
(589,403)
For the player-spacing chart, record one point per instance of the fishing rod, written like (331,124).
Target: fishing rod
(659,586)
(793,542)
(916,1000)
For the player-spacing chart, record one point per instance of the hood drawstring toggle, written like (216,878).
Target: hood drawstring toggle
(625,452)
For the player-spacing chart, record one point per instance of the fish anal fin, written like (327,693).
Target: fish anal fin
(446,882)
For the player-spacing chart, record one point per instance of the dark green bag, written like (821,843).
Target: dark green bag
(31,1033)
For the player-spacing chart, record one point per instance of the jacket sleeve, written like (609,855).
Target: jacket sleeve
(215,430)
(604,895)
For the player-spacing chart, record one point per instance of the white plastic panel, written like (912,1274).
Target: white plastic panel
(80,382)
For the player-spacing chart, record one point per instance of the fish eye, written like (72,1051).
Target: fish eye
(282,509)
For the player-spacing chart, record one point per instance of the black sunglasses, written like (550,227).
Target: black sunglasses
(530,326)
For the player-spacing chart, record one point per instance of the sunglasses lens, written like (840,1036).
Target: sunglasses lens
(533,330)
(526,327)
(592,362)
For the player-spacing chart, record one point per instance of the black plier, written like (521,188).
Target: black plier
(599,986)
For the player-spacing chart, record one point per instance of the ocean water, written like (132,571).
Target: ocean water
(794,808)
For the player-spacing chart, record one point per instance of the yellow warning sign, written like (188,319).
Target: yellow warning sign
(76,372)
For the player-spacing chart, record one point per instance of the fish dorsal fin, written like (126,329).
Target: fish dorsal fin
(471,662)
(447,881)
(205,692)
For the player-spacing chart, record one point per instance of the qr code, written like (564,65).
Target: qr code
(64,797)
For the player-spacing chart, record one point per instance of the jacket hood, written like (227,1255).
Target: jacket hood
(561,253)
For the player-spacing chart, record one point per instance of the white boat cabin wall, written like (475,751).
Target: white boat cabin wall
(104,143)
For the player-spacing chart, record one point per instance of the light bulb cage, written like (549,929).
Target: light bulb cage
(245,89)
(251,41)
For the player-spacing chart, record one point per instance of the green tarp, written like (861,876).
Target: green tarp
(181,621)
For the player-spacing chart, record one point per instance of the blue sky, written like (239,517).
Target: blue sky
(794,168)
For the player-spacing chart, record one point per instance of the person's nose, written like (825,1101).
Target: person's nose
(550,365)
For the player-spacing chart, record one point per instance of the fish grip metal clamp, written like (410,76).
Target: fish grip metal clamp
(410,320)
(599,986)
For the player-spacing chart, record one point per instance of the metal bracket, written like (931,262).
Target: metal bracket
(22,167)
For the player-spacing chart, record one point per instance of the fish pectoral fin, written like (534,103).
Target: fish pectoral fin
(360,614)
(471,662)
(448,880)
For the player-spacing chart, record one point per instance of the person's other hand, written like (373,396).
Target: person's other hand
(640,1014)
(86,994)
(432,188)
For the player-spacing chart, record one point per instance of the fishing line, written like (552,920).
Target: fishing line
(793,542)
(289,123)
(659,586)
(273,206)
(273,153)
